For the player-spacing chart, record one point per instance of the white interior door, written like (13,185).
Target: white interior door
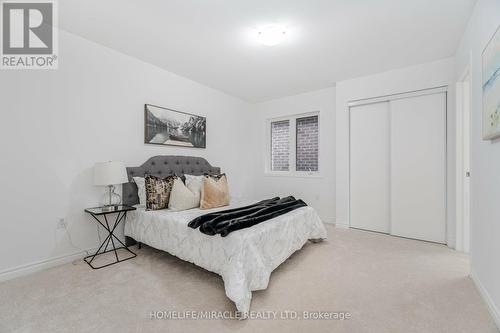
(418,167)
(369,177)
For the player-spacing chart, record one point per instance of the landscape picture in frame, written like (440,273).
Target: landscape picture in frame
(491,88)
(169,127)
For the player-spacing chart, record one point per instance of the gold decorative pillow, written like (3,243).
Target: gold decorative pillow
(215,176)
(214,192)
(158,191)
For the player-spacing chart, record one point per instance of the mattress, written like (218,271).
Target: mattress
(245,258)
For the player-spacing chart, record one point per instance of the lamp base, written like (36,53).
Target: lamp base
(110,198)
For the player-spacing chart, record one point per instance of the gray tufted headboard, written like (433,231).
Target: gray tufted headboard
(162,166)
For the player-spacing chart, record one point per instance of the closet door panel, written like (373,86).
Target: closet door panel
(418,163)
(369,197)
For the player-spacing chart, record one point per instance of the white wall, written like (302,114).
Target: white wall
(485,161)
(56,124)
(429,75)
(318,192)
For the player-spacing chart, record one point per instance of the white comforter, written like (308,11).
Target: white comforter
(244,259)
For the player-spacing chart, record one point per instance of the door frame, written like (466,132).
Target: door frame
(463,127)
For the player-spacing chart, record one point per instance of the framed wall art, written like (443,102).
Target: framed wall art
(163,126)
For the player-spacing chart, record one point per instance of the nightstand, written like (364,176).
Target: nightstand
(121,215)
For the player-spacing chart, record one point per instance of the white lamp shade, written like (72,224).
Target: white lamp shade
(110,173)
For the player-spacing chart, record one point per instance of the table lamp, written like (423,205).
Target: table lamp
(110,174)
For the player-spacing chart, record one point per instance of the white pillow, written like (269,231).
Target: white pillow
(183,197)
(195,183)
(141,189)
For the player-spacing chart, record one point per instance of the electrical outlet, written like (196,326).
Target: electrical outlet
(61,223)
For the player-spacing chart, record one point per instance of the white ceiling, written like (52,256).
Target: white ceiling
(211,41)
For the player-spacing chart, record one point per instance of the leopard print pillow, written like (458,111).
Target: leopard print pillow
(158,191)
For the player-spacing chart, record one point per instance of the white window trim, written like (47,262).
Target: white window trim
(292,162)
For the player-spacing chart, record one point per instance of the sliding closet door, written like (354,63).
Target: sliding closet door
(369,179)
(418,163)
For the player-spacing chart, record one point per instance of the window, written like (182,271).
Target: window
(294,144)
(280,151)
(307,144)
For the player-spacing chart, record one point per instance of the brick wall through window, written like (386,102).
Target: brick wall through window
(280,146)
(307,144)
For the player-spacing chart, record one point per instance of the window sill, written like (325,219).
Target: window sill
(287,174)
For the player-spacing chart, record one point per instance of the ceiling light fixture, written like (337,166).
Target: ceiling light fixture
(271,35)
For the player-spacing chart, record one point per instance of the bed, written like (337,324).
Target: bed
(244,259)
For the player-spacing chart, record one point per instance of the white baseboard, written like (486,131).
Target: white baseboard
(331,220)
(41,265)
(328,220)
(451,243)
(486,297)
(343,225)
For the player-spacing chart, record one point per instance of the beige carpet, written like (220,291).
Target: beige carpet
(388,284)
